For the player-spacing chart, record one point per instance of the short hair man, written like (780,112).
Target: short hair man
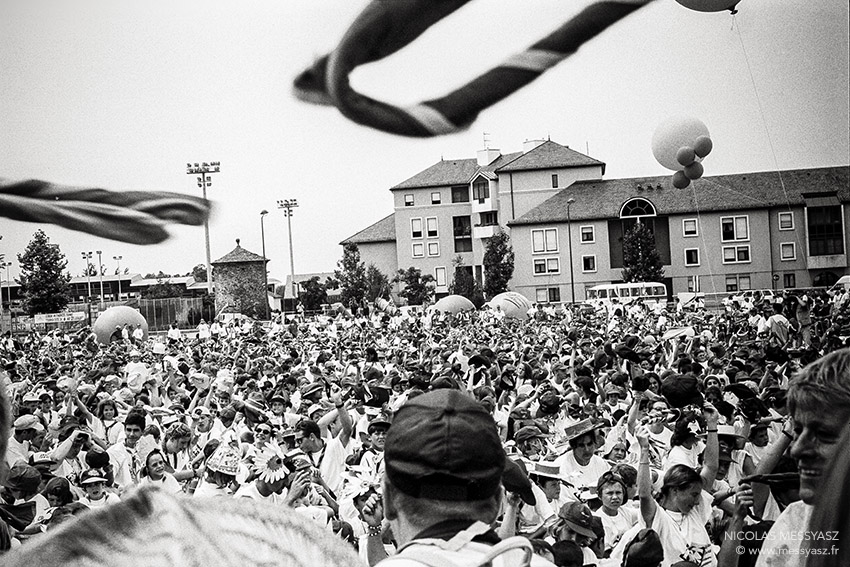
(442,489)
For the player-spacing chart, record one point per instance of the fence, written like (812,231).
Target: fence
(187,312)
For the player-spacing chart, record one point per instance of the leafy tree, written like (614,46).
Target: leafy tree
(44,282)
(416,286)
(313,294)
(498,264)
(162,289)
(377,284)
(159,276)
(351,275)
(199,273)
(641,262)
(464,284)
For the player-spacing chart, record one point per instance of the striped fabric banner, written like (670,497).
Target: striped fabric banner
(137,217)
(385,26)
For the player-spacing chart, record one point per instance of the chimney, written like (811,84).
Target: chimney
(529,145)
(488,156)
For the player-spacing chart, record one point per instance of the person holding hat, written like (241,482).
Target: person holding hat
(26,429)
(442,487)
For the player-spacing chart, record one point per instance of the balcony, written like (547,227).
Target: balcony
(484,231)
(828,262)
(484,205)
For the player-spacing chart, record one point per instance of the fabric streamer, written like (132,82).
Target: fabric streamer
(137,217)
(385,26)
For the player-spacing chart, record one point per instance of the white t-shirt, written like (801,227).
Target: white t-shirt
(616,526)
(783,542)
(684,537)
(582,476)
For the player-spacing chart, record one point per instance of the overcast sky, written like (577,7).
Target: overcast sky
(122,95)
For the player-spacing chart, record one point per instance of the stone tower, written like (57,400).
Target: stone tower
(239,278)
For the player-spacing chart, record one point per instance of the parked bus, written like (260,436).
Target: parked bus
(651,293)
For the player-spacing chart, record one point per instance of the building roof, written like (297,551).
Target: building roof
(381,231)
(452,172)
(239,256)
(147,282)
(549,155)
(603,199)
(106,278)
(301,278)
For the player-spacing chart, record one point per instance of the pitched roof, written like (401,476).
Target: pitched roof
(549,155)
(239,255)
(381,231)
(452,172)
(603,199)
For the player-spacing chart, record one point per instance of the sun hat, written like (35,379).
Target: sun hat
(578,517)
(28,422)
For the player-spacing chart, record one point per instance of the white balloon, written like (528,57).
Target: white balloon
(675,133)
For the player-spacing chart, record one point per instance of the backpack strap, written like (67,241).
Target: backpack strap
(421,550)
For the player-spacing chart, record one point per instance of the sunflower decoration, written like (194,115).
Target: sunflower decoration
(270,464)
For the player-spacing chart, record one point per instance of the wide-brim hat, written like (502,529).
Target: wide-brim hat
(549,470)
(581,428)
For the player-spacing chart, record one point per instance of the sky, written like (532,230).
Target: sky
(121,95)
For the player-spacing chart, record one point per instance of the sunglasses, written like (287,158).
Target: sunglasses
(263,430)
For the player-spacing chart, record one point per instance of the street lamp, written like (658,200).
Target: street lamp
(118,272)
(6,265)
(87,257)
(263,214)
(287,205)
(570,201)
(203,171)
(100,274)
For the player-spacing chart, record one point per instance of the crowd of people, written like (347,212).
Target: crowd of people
(626,435)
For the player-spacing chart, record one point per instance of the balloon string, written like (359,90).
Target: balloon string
(704,244)
(767,132)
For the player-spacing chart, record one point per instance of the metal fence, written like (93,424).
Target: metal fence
(185,311)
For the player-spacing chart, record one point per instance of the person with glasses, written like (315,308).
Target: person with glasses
(327,453)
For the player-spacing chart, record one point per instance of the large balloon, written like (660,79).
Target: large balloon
(453,304)
(385,306)
(117,316)
(674,134)
(709,5)
(514,305)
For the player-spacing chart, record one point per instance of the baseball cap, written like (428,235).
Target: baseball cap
(528,432)
(578,518)
(91,476)
(444,445)
(28,422)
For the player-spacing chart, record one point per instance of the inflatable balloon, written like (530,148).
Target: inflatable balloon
(674,134)
(453,304)
(709,5)
(117,316)
(702,147)
(514,305)
(680,180)
(686,156)
(385,306)
(694,171)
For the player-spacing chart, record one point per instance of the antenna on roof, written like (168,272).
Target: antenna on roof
(586,148)
(486,140)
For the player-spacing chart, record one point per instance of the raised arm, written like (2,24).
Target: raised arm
(648,507)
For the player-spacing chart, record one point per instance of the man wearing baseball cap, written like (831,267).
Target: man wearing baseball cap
(442,489)
(27,427)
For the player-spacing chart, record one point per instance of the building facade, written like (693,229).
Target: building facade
(723,234)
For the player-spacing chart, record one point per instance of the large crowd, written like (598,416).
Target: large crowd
(626,434)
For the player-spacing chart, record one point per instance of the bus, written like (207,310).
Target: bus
(651,293)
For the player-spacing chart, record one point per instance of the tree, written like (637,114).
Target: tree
(351,275)
(377,284)
(641,262)
(313,294)
(44,282)
(416,289)
(464,284)
(159,276)
(162,289)
(498,264)
(199,273)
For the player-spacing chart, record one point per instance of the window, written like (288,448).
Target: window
(588,235)
(737,283)
(408,200)
(637,207)
(734,228)
(787,251)
(440,276)
(431,226)
(433,249)
(693,284)
(554,181)
(689,227)
(548,295)
(544,240)
(416,227)
(588,263)
(692,256)
(736,254)
(786,221)
(460,194)
(490,218)
(462,229)
(825,231)
(480,190)
(547,266)
(789,280)
(436,198)
(418,250)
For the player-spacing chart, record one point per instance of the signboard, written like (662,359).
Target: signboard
(64,317)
